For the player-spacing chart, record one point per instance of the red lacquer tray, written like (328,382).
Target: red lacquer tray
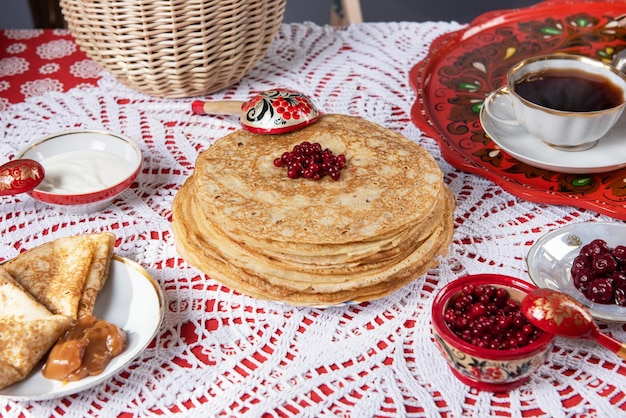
(463,67)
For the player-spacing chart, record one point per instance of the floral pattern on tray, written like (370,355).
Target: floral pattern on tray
(463,67)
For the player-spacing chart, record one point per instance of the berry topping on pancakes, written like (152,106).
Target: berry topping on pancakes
(311,162)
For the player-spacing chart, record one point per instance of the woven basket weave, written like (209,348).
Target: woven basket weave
(175,48)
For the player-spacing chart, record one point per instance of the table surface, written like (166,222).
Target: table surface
(219,353)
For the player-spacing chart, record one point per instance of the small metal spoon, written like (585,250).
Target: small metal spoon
(560,314)
(271,112)
(619,60)
(20,176)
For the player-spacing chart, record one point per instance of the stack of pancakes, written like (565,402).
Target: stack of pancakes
(245,223)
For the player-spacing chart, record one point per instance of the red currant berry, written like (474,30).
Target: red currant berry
(308,160)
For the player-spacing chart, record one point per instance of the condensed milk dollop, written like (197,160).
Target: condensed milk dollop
(85,350)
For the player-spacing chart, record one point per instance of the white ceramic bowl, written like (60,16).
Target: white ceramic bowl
(84,169)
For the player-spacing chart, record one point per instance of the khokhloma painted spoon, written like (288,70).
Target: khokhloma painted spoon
(275,111)
(20,176)
(560,314)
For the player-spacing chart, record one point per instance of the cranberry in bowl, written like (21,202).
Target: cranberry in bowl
(482,333)
(84,170)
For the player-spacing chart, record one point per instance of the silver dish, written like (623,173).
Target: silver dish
(550,259)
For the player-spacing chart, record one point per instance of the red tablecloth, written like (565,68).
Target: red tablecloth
(36,61)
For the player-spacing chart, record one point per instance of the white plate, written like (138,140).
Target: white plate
(609,154)
(130,299)
(551,257)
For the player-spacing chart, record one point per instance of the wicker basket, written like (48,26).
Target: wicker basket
(175,48)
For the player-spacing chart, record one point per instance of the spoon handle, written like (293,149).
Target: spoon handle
(612,344)
(225,107)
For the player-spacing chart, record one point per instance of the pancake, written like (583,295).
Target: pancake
(16,302)
(390,182)
(103,246)
(199,251)
(305,270)
(27,330)
(24,343)
(243,222)
(322,256)
(58,272)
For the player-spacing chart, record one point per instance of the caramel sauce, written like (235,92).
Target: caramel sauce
(85,350)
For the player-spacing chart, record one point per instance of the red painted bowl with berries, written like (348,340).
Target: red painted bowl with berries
(483,335)
(587,261)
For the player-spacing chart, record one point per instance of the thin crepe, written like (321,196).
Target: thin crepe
(27,330)
(66,274)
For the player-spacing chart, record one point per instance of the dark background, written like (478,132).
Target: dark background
(16,13)
(462,11)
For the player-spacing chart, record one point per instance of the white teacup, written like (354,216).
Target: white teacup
(567,101)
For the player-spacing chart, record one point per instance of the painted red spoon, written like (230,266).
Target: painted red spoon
(560,314)
(20,176)
(275,111)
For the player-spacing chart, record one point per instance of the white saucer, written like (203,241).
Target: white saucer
(551,257)
(609,154)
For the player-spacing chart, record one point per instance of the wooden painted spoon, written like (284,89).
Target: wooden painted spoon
(20,176)
(275,111)
(560,314)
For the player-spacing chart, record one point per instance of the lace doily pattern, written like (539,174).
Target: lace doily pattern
(219,353)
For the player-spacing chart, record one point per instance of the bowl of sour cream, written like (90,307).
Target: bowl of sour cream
(84,170)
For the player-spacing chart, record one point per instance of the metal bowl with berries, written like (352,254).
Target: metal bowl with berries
(484,336)
(586,260)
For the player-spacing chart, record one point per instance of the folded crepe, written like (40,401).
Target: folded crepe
(27,330)
(103,246)
(67,274)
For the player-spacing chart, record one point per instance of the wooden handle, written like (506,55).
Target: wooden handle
(612,344)
(226,107)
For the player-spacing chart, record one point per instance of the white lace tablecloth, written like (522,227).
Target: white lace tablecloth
(219,353)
